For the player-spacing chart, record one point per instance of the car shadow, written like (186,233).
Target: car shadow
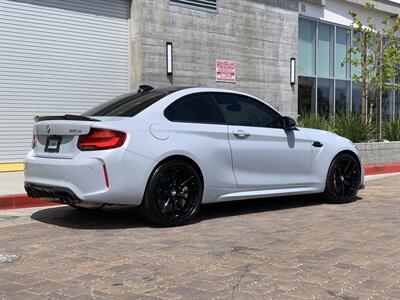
(253,206)
(110,217)
(120,217)
(234,208)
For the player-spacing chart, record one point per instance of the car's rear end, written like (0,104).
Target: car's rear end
(70,160)
(85,158)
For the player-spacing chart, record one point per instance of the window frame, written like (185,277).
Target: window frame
(334,76)
(261,103)
(208,94)
(351,70)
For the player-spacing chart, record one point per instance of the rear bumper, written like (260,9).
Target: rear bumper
(110,177)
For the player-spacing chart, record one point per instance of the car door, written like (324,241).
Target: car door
(264,155)
(197,126)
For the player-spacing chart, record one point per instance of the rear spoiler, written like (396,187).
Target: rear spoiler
(65,117)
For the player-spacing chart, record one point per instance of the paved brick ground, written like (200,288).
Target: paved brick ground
(286,248)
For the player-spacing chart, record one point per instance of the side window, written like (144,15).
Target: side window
(196,108)
(244,111)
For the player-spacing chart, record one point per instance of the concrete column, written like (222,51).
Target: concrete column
(136,45)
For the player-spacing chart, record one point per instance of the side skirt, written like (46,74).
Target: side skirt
(268,193)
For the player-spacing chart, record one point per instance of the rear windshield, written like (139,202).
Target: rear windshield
(128,105)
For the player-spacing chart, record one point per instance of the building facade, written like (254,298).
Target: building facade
(325,82)
(59,57)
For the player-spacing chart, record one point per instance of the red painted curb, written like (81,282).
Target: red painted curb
(382,169)
(23,201)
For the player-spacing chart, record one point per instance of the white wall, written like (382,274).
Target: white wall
(337,11)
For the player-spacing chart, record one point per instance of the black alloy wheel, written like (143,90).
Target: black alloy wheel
(173,194)
(344,178)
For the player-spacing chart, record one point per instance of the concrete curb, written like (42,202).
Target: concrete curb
(382,169)
(23,201)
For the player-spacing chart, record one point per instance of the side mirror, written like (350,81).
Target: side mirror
(289,123)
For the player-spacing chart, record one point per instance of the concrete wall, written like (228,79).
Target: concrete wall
(260,35)
(379,153)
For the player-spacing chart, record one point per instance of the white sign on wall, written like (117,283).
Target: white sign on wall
(225,71)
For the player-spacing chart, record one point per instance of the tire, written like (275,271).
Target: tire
(87,206)
(343,180)
(173,194)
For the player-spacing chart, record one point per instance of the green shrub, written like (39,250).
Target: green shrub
(314,121)
(391,130)
(353,127)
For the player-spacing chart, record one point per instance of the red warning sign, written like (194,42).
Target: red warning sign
(225,71)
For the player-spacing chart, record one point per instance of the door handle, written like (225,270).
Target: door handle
(241,134)
(317,144)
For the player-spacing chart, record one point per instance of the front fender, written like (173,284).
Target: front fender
(322,157)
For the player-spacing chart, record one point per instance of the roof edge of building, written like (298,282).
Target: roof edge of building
(385,6)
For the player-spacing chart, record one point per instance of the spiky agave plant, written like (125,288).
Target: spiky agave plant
(314,121)
(353,127)
(391,130)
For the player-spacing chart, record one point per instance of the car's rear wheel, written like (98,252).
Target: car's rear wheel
(87,206)
(173,194)
(344,178)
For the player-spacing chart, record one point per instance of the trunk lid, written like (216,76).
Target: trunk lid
(58,138)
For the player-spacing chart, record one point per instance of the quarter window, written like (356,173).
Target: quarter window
(244,111)
(196,108)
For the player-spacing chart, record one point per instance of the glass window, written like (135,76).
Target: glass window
(244,111)
(387,106)
(342,96)
(306,95)
(356,99)
(325,79)
(128,105)
(325,50)
(342,47)
(306,47)
(196,108)
(325,97)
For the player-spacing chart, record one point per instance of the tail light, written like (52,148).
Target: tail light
(101,139)
(33,142)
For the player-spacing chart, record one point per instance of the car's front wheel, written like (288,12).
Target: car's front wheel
(344,178)
(173,194)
